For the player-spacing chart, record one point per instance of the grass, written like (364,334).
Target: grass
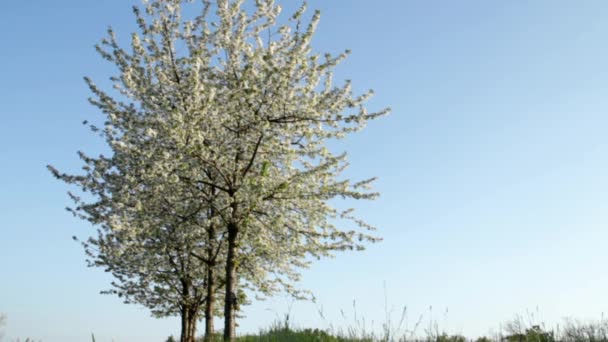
(571,331)
(517,330)
(520,329)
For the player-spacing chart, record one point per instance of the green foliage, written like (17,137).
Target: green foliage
(450,338)
(577,331)
(483,339)
(286,334)
(533,334)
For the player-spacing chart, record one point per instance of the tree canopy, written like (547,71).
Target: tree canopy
(219,135)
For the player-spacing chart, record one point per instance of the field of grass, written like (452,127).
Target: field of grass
(517,330)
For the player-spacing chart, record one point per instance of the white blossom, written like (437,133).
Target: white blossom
(219,149)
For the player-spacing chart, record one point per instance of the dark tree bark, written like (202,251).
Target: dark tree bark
(210,295)
(209,307)
(189,318)
(193,321)
(230,296)
(189,315)
(185,326)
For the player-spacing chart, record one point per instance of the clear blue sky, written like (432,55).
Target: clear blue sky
(493,166)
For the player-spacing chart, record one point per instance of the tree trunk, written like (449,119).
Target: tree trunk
(230,296)
(210,296)
(189,316)
(188,324)
(193,321)
(209,308)
(185,327)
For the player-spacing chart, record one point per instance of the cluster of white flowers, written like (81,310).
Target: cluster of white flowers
(220,172)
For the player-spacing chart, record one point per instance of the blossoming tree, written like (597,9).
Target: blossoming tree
(219,139)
